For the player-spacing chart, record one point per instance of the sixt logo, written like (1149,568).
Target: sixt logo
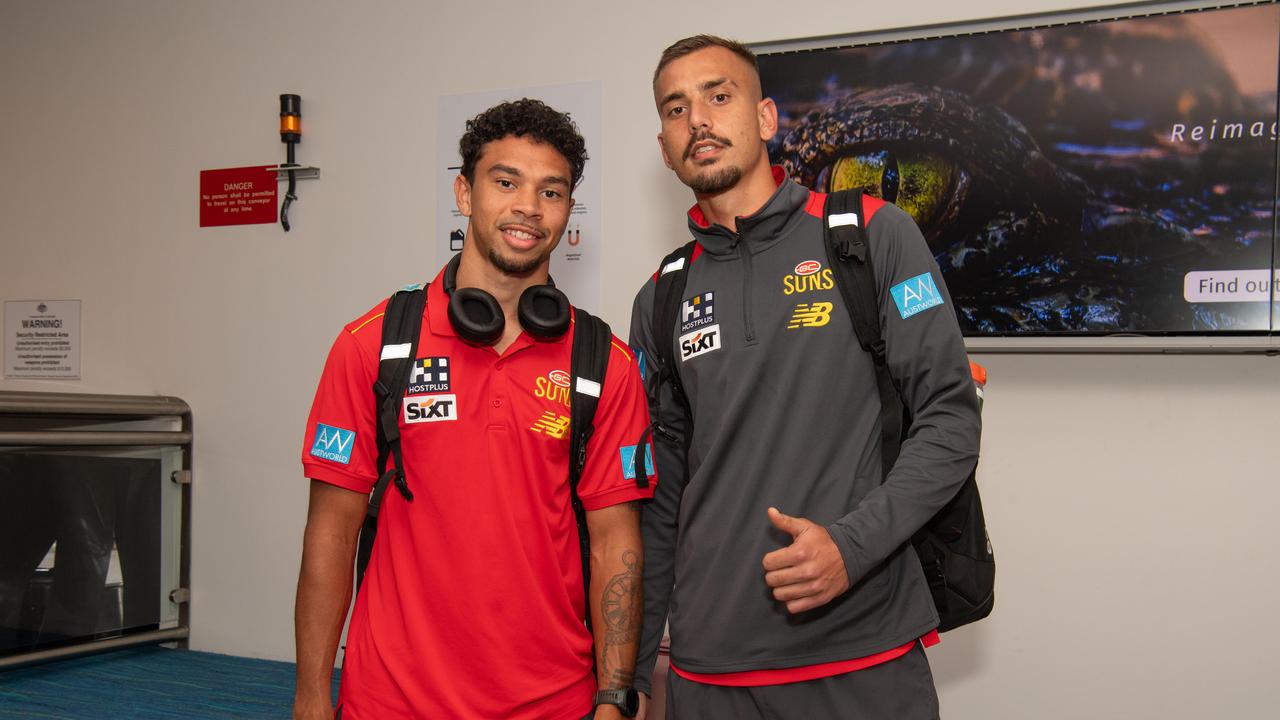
(333,444)
(554,387)
(699,342)
(916,295)
(697,311)
(810,315)
(807,276)
(433,408)
(429,375)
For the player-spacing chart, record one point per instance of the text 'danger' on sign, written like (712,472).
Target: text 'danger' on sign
(238,196)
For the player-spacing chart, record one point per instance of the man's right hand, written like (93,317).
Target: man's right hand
(644,707)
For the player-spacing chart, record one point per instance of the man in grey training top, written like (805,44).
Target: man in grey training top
(779,550)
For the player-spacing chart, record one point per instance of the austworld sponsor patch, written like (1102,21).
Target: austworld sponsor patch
(429,375)
(916,295)
(333,444)
(628,457)
(697,311)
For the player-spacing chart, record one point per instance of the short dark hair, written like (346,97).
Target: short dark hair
(689,45)
(523,118)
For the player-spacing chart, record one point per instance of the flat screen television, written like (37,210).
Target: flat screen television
(1085,183)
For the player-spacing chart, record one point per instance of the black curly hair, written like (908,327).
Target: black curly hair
(525,117)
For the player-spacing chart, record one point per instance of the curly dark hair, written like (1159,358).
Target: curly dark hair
(525,117)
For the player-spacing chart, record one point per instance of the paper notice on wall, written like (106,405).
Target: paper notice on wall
(575,263)
(42,339)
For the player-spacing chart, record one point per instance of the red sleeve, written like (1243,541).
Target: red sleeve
(621,419)
(340,446)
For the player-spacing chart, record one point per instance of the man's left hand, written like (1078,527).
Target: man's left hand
(808,573)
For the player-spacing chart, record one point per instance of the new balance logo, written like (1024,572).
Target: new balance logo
(429,375)
(697,311)
(551,424)
(699,342)
(333,444)
(432,408)
(810,315)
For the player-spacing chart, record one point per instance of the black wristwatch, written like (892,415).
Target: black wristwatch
(627,700)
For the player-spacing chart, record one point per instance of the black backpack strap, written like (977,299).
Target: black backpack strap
(850,259)
(672,275)
(401,324)
(588,363)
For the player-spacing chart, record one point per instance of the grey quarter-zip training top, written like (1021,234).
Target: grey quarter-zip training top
(785,413)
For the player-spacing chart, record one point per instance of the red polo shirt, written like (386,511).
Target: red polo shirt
(472,605)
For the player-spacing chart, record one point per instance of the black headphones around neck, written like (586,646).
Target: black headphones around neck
(478,318)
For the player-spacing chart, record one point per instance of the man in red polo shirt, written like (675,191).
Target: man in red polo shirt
(472,605)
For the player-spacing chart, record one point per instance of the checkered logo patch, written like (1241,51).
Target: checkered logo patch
(697,311)
(429,375)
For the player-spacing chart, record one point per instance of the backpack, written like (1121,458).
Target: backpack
(953,547)
(401,325)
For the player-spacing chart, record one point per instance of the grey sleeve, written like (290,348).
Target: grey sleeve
(658,518)
(926,358)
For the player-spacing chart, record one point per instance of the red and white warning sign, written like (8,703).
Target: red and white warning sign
(237,196)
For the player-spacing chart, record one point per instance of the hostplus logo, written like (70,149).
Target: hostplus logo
(429,375)
(697,311)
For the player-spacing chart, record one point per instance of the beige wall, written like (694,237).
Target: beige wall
(1126,495)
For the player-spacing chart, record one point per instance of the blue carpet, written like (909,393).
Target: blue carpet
(150,683)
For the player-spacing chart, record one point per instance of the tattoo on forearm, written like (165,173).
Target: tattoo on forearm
(621,607)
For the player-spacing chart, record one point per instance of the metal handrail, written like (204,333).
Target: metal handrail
(38,403)
(82,438)
(178,634)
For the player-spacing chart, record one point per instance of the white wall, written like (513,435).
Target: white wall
(1127,495)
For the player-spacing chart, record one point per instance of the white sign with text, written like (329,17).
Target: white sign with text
(42,339)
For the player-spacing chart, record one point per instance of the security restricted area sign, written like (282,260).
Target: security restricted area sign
(237,196)
(42,339)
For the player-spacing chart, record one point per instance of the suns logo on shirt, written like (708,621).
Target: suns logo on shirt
(808,276)
(554,387)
